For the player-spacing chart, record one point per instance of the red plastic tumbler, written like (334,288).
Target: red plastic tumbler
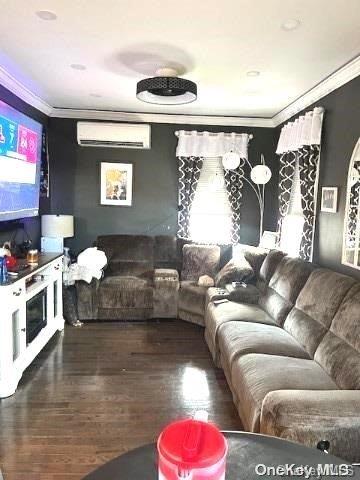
(191,450)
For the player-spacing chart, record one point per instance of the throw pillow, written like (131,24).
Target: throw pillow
(237,270)
(254,255)
(206,281)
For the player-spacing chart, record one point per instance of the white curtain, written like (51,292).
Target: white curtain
(208,144)
(305,130)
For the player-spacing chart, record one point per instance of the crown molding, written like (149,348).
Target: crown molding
(334,81)
(18,89)
(161,118)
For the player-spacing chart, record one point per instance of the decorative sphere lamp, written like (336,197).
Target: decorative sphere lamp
(231,160)
(260,174)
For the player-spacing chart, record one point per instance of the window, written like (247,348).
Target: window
(210,216)
(293,222)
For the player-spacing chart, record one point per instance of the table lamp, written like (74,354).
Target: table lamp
(54,228)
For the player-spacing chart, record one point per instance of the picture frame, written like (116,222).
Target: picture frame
(329,196)
(116,184)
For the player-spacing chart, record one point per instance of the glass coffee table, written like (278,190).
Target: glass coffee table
(251,456)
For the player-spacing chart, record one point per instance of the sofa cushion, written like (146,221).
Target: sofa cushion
(236,270)
(192,297)
(200,260)
(216,316)
(316,306)
(240,338)
(125,292)
(255,375)
(339,351)
(165,252)
(128,255)
(268,268)
(284,286)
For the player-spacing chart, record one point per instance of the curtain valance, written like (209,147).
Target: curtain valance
(305,130)
(208,144)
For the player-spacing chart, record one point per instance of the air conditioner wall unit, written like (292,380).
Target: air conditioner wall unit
(114,135)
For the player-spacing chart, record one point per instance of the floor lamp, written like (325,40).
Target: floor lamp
(259,176)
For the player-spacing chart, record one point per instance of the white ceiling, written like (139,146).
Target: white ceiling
(214,42)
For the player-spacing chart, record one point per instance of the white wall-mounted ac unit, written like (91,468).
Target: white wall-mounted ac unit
(114,135)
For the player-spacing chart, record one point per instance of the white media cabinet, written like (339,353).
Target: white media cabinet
(36,288)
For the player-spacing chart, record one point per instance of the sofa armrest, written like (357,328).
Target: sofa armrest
(166,277)
(308,416)
(166,291)
(87,299)
(243,294)
(215,293)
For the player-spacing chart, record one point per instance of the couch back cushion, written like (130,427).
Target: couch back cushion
(128,255)
(339,350)
(200,260)
(316,307)
(166,252)
(268,268)
(284,286)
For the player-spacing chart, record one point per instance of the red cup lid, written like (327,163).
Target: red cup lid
(190,444)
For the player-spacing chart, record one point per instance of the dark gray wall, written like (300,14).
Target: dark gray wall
(75,188)
(32,225)
(341,130)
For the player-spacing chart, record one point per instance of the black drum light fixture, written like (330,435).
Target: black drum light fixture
(166,88)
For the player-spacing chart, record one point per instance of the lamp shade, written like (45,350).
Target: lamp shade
(57,226)
(231,160)
(260,174)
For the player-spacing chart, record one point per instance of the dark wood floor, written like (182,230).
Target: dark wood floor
(100,390)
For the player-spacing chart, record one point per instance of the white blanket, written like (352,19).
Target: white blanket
(90,264)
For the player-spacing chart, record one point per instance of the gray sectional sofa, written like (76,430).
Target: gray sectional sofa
(288,342)
(292,359)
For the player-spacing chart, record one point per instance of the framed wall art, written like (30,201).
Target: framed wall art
(116,184)
(329,199)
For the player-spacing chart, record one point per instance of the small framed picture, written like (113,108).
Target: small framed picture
(116,181)
(329,199)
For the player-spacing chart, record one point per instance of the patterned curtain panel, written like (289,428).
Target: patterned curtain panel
(286,176)
(234,184)
(309,159)
(192,147)
(300,140)
(189,174)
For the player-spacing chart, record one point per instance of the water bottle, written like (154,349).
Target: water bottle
(3,270)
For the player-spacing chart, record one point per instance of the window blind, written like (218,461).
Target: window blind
(210,216)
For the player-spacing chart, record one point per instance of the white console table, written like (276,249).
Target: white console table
(17,347)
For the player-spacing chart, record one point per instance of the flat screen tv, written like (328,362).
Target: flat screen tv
(20,162)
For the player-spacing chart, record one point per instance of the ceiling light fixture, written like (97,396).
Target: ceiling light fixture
(166,88)
(253,73)
(46,15)
(78,66)
(291,24)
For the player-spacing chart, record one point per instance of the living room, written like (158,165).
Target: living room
(189,235)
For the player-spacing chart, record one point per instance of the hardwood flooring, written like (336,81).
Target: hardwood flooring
(100,390)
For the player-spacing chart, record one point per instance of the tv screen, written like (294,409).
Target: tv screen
(20,161)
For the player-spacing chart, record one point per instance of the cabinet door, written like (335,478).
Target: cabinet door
(18,333)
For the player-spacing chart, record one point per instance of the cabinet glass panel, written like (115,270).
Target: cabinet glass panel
(15,335)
